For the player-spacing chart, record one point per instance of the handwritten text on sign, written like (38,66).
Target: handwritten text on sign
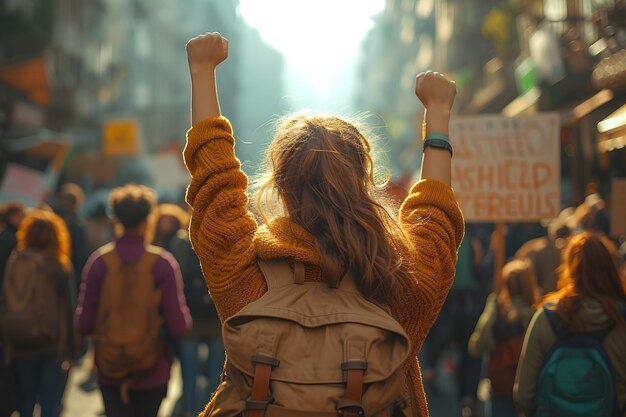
(506,169)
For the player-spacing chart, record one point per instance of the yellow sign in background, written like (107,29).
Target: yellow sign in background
(120,137)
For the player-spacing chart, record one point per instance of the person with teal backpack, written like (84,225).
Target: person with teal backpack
(574,358)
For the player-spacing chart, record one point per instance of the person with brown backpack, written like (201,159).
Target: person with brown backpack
(131,302)
(37,306)
(326,306)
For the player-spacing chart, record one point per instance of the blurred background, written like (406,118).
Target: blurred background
(97,93)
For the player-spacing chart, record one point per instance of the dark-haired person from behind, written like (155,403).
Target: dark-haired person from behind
(11,215)
(135,393)
(68,204)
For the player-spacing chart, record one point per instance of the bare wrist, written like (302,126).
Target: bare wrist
(438,109)
(197,71)
(437,120)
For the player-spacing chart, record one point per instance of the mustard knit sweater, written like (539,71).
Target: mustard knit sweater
(228,240)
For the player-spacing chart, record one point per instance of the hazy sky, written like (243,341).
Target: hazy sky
(319,39)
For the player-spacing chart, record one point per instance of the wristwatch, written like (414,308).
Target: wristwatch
(438,140)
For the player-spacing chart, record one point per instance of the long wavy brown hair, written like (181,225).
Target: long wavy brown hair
(44,231)
(322,169)
(589,268)
(518,279)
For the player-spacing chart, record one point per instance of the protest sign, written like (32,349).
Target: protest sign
(506,169)
(23,184)
(168,171)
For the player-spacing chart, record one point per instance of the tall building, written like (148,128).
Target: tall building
(409,37)
(261,96)
(70,69)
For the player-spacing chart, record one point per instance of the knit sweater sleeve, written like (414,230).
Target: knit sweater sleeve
(431,217)
(221,228)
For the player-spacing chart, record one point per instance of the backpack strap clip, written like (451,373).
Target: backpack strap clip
(352,365)
(347,408)
(402,403)
(261,396)
(266,360)
(298,273)
(350,405)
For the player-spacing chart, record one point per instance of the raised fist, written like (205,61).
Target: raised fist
(434,89)
(205,52)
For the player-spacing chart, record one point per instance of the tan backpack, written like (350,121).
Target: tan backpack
(31,315)
(304,349)
(128,320)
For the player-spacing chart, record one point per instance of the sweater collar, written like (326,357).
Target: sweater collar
(283,238)
(130,239)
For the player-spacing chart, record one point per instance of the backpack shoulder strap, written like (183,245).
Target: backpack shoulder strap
(110,256)
(150,256)
(109,247)
(561,332)
(555,321)
(278,272)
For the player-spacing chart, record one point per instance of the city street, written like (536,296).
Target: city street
(356,202)
(78,403)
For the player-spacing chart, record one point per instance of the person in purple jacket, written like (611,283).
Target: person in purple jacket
(131,205)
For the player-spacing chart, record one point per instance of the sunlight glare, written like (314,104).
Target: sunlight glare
(317,37)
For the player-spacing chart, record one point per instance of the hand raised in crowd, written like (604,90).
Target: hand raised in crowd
(435,90)
(205,52)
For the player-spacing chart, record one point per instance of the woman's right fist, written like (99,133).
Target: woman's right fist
(205,52)
(434,89)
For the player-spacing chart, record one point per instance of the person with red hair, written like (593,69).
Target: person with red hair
(41,361)
(591,293)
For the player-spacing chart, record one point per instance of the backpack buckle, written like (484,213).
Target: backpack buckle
(347,366)
(261,395)
(402,403)
(349,408)
(267,360)
(260,404)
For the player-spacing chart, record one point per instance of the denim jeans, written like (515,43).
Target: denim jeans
(43,380)
(190,366)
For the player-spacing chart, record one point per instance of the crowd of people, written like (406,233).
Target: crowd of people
(568,281)
(55,261)
(330,306)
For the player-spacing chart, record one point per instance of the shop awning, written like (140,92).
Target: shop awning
(572,113)
(525,104)
(612,131)
(29,77)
